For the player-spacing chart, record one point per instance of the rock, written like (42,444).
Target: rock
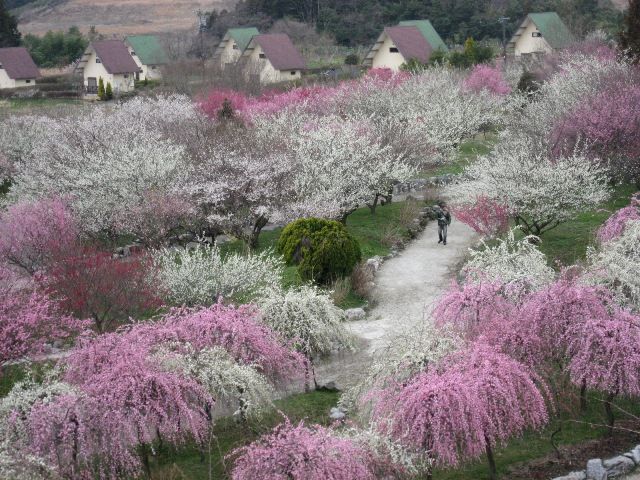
(573,476)
(596,470)
(375,262)
(58,344)
(222,239)
(330,386)
(634,455)
(355,314)
(187,237)
(192,245)
(618,466)
(337,414)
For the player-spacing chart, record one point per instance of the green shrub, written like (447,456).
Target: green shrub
(323,249)
(101,92)
(352,59)
(528,83)
(108,92)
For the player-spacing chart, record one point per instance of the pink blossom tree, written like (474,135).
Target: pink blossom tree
(34,235)
(212,103)
(488,78)
(604,356)
(616,223)
(476,399)
(299,452)
(486,216)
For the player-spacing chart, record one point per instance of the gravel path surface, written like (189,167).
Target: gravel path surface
(406,287)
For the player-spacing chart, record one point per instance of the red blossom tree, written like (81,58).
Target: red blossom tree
(487,78)
(616,223)
(106,289)
(487,217)
(477,398)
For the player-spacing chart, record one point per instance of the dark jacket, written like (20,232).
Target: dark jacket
(444,217)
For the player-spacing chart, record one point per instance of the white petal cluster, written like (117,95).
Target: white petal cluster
(309,318)
(201,275)
(617,264)
(510,261)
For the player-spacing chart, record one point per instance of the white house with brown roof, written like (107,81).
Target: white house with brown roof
(396,46)
(233,44)
(110,60)
(272,58)
(17,68)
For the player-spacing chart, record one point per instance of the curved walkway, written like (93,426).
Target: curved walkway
(406,286)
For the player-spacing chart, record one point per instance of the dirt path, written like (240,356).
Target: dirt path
(406,286)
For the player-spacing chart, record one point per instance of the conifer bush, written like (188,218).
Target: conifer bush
(323,249)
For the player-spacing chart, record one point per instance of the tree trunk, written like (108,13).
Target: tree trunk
(583,397)
(255,232)
(493,474)
(609,411)
(144,456)
(372,206)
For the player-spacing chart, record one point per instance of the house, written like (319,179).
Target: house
(396,46)
(149,55)
(111,61)
(272,58)
(233,44)
(17,68)
(428,32)
(540,33)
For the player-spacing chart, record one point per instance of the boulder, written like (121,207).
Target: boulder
(573,476)
(596,470)
(618,466)
(192,245)
(355,314)
(375,263)
(337,414)
(634,455)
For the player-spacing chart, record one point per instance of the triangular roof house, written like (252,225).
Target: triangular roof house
(17,68)
(273,58)
(540,33)
(398,45)
(149,55)
(428,32)
(110,60)
(233,44)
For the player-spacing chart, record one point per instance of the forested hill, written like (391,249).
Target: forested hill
(355,22)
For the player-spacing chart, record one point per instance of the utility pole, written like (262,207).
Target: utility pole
(202,26)
(503,21)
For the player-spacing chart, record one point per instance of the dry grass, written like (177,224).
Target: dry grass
(362,279)
(409,212)
(340,290)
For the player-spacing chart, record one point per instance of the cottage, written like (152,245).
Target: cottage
(540,33)
(428,32)
(111,61)
(272,58)
(17,68)
(149,55)
(233,44)
(396,46)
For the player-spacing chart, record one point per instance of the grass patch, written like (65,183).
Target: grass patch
(469,150)
(26,103)
(187,463)
(567,243)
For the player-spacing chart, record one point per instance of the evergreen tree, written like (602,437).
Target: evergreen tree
(9,34)
(108,92)
(630,34)
(226,112)
(101,92)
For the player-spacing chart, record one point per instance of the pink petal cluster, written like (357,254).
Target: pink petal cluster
(487,78)
(616,223)
(486,216)
(476,399)
(299,452)
(34,235)
(211,104)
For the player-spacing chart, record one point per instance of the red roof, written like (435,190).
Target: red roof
(18,64)
(280,51)
(410,43)
(115,56)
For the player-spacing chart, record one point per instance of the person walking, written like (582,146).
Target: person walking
(444,220)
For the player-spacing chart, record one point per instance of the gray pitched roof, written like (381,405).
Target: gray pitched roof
(18,64)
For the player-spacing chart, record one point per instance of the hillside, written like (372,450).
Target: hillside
(115,16)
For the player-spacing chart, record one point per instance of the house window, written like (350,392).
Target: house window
(133,54)
(153,67)
(235,47)
(1,67)
(126,76)
(262,55)
(393,49)
(293,72)
(98,60)
(28,81)
(536,34)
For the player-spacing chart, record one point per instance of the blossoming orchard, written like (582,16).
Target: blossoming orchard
(151,327)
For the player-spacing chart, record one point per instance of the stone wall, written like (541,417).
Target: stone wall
(615,467)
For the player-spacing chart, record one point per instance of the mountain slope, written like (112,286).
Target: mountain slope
(116,17)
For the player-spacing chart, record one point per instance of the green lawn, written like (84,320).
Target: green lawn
(469,150)
(27,103)
(568,242)
(186,464)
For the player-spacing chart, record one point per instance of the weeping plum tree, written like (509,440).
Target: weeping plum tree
(476,399)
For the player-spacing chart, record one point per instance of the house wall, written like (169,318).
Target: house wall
(151,72)
(387,59)
(119,83)
(264,68)
(527,43)
(6,82)
(229,53)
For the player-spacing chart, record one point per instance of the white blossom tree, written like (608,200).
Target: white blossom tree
(540,192)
